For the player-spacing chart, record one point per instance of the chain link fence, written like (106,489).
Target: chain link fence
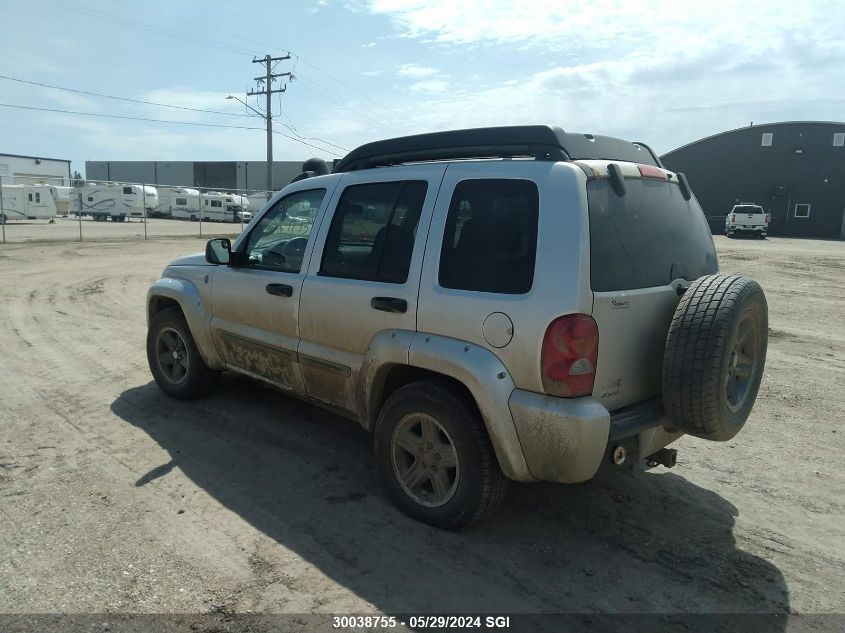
(88,210)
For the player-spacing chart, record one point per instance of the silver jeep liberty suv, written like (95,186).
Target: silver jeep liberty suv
(502,303)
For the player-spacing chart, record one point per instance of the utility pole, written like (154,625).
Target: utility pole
(267,80)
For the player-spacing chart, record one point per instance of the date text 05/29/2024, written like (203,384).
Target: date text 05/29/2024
(421,622)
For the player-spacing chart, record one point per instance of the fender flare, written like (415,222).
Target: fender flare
(185,294)
(477,368)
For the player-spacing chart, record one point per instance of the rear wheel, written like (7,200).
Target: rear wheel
(435,458)
(175,362)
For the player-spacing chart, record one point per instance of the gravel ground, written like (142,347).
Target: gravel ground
(117,499)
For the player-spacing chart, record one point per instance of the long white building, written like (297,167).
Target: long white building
(34,170)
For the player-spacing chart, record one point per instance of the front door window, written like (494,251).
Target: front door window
(279,239)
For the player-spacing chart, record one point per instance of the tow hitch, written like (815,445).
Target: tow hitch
(667,457)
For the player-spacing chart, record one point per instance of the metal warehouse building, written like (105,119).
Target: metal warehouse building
(34,170)
(795,170)
(221,175)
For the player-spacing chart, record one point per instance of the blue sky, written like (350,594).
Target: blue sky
(665,73)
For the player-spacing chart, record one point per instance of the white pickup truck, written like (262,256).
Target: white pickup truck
(747,218)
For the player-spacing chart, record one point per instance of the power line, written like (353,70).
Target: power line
(149,120)
(309,138)
(351,89)
(130,118)
(344,106)
(105,96)
(168,105)
(144,27)
(307,144)
(174,34)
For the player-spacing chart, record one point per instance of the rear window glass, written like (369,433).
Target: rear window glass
(648,237)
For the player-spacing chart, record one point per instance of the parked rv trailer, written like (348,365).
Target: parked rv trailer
(62,197)
(257,200)
(116,201)
(26,202)
(178,202)
(216,206)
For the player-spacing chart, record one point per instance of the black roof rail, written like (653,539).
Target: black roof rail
(540,142)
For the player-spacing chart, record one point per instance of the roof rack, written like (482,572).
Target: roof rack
(540,142)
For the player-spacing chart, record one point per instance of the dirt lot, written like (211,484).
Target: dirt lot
(115,498)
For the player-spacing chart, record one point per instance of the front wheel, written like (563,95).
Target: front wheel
(435,458)
(175,362)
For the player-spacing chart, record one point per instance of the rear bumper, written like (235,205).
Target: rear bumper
(566,440)
(746,229)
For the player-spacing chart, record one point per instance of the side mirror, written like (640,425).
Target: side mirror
(218,251)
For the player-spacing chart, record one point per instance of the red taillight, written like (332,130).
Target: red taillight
(648,171)
(766,220)
(733,218)
(569,354)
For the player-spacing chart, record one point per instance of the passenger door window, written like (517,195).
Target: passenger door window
(490,238)
(279,238)
(373,230)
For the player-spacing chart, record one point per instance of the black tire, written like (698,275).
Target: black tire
(715,356)
(478,486)
(197,380)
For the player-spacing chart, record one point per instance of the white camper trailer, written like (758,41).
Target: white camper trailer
(216,206)
(178,202)
(116,201)
(257,200)
(27,202)
(62,197)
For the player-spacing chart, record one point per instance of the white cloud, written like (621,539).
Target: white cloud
(637,70)
(415,71)
(369,45)
(431,86)
(656,25)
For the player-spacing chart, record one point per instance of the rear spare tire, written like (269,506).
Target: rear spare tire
(715,355)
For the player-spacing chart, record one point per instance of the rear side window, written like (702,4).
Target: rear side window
(490,239)
(373,231)
(646,238)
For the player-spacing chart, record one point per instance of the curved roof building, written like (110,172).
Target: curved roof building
(794,169)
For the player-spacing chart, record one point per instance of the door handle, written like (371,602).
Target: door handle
(281,290)
(389,304)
